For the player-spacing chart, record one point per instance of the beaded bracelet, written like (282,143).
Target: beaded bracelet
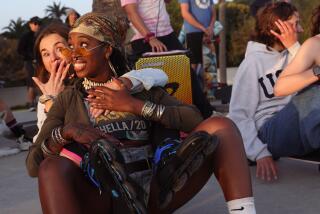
(148,37)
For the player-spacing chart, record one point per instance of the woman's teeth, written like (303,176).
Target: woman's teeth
(79,66)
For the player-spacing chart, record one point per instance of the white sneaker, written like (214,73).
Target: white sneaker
(23,143)
(32,109)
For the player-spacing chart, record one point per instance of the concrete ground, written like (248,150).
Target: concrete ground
(296,192)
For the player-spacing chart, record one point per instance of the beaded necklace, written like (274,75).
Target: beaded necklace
(88,84)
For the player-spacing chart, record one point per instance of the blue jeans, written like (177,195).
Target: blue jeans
(295,130)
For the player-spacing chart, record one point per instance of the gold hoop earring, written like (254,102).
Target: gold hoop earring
(112,68)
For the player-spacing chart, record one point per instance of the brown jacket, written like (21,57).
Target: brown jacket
(69,107)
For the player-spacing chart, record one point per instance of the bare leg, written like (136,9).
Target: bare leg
(8,116)
(228,163)
(31,95)
(63,188)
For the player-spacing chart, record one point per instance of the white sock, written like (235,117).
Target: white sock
(242,206)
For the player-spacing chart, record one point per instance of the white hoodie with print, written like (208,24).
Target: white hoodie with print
(252,100)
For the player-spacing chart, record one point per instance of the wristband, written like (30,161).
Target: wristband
(44,98)
(148,37)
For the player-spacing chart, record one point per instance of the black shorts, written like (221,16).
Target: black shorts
(139,46)
(194,44)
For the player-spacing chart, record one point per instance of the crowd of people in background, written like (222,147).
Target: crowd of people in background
(87,134)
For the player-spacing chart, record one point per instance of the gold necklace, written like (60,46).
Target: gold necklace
(88,84)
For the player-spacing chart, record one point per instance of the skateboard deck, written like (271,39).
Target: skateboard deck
(313,158)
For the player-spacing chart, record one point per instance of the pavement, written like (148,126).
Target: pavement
(296,191)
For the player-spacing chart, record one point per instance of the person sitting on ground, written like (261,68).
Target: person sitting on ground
(302,71)
(302,75)
(265,121)
(16,128)
(71,131)
(54,72)
(72,16)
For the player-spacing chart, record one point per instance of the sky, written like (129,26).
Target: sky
(13,9)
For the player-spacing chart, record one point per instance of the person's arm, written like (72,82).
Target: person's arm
(212,21)
(136,81)
(164,108)
(176,115)
(35,156)
(298,74)
(134,17)
(242,111)
(145,78)
(186,15)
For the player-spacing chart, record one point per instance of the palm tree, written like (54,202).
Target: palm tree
(15,28)
(56,11)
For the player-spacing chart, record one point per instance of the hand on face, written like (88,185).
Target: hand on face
(55,83)
(288,33)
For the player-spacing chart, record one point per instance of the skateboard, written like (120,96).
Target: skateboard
(313,158)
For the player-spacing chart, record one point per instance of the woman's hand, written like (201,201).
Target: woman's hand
(288,33)
(114,100)
(55,83)
(267,169)
(95,112)
(156,45)
(86,134)
(81,133)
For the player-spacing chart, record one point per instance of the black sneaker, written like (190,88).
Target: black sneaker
(109,170)
(176,161)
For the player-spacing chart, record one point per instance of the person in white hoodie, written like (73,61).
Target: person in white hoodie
(267,130)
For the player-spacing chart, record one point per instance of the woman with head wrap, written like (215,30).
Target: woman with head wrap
(54,71)
(113,151)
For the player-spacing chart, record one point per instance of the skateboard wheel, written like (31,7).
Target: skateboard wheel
(119,171)
(129,190)
(181,181)
(195,164)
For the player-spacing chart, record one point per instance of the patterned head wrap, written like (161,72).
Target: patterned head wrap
(108,29)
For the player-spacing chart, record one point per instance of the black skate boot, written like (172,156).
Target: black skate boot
(109,170)
(176,161)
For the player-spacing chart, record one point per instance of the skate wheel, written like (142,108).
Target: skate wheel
(211,146)
(119,171)
(107,151)
(168,198)
(129,190)
(181,181)
(138,206)
(195,164)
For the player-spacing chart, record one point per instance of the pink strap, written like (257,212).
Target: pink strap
(71,155)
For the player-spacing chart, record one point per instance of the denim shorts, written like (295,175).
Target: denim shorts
(295,130)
